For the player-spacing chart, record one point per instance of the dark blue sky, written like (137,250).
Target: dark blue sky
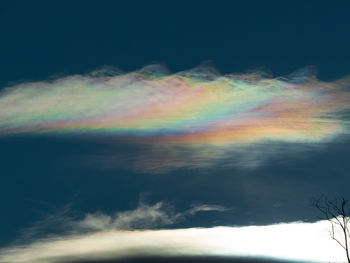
(41,40)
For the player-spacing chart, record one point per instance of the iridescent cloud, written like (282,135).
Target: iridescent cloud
(198,110)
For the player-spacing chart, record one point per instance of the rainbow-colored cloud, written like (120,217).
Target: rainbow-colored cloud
(190,110)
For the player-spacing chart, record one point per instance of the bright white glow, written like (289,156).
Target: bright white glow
(295,241)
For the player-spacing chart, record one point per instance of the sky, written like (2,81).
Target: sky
(197,131)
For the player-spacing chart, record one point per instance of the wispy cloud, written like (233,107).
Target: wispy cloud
(192,119)
(145,216)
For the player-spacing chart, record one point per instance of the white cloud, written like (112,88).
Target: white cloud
(295,241)
(132,233)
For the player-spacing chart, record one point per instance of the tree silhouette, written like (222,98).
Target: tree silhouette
(337,212)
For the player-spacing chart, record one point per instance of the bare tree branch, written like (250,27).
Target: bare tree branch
(337,212)
(332,234)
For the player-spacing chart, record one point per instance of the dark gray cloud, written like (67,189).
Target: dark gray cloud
(191,259)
